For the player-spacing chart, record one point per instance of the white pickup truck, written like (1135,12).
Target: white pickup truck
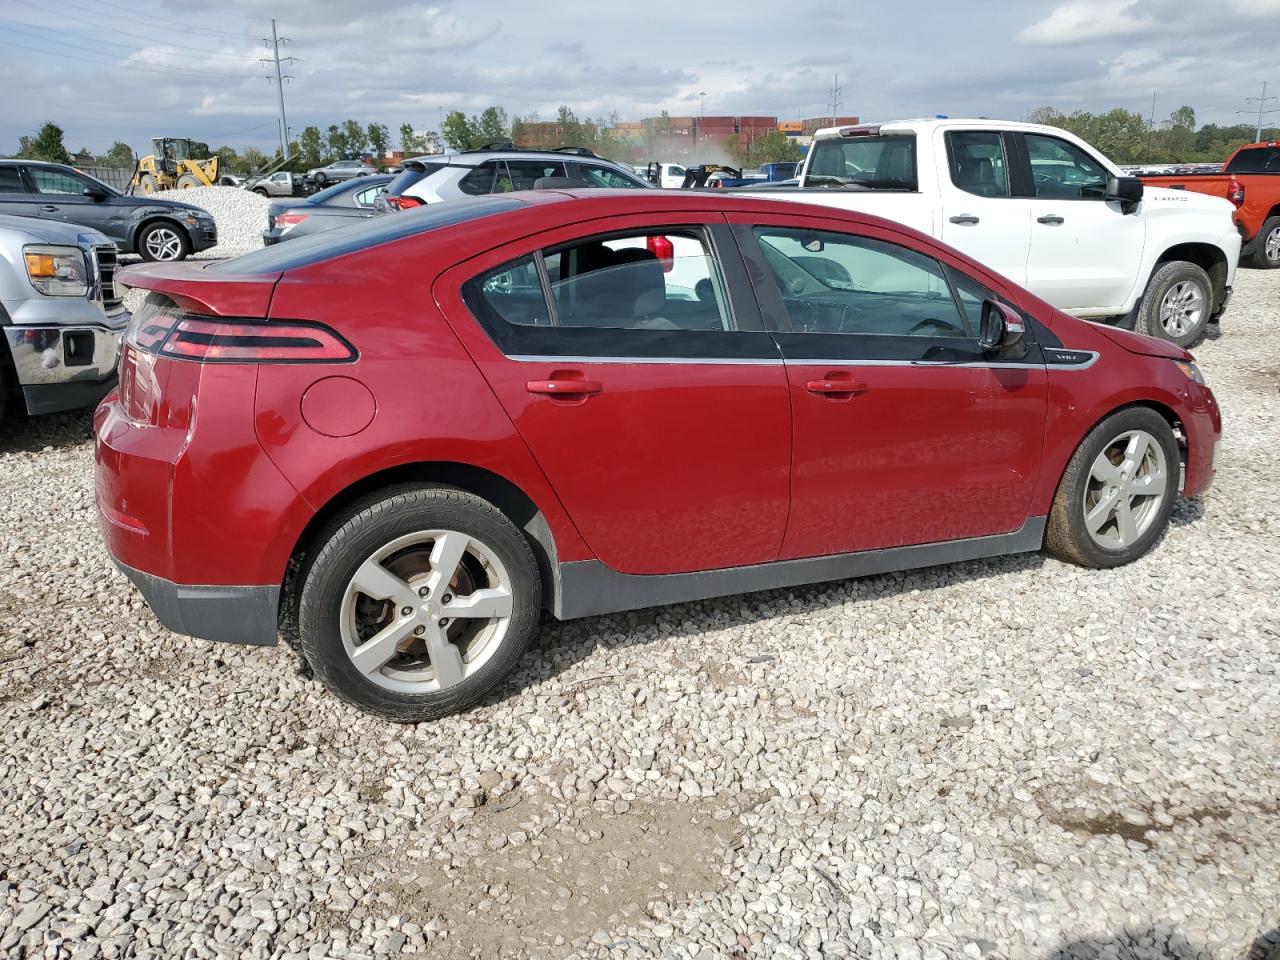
(1041,207)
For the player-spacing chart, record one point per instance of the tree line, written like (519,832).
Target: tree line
(1128,137)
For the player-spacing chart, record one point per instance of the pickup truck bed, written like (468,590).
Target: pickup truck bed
(1250,179)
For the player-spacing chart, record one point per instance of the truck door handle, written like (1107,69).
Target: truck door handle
(48,208)
(964,218)
(836,386)
(1052,218)
(565,387)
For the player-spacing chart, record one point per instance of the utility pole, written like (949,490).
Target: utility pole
(1262,103)
(276,60)
(835,102)
(1151,124)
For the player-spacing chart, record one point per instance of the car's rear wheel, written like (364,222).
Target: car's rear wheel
(1117,492)
(419,601)
(1177,304)
(163,242)
(188,182)
(1266,253)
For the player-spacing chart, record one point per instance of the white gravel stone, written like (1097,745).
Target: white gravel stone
(1003,758)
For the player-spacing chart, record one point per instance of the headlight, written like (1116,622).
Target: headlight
(57,271)
(1191,370)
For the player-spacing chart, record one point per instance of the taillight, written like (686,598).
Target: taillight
(290,219)
(213,340)
(1235,192)
(403,203)
(663,249)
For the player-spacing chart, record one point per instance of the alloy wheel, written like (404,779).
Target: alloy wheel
(1181,308)
(426,611)
(163,243)
(1126,488)
(1271,247)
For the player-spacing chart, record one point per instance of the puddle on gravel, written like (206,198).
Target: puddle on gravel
(1116,825)
(599,871)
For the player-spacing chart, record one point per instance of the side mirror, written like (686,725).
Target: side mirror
(95,193)
(1128,190)
(1002,326)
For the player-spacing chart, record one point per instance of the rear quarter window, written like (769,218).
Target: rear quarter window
(1256,160)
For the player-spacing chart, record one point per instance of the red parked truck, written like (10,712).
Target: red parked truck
(1250,179)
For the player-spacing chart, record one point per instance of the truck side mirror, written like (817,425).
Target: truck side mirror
(1002,326)
(1128,190)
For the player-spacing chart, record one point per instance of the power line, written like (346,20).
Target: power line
(1262,102)
(126,46)
(835,102)
(108,63)
(211,31)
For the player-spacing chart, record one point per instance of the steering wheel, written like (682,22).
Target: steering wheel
(931,322)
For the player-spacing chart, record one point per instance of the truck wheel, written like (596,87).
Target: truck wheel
(148,184)
(420,601)
(1115,496)
(1177,303)
(1266,252)
(188,182)
(260,191)
(163,241)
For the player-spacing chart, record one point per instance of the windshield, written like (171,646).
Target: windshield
(874,163)
(323,195)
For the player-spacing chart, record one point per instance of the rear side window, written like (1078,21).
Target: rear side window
(10,181)
(978,162)
(841,283)
(879,163)
(597,175)
(481,180)
(1257,160)
(523,174)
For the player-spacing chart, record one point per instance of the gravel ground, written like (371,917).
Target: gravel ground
(241,216)
(1004,759)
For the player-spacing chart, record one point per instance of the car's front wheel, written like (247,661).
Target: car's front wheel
(1177,304)
(164,242)
(419,601)
(1117,492)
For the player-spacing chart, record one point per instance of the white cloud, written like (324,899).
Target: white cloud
(1079,20)
(1256,8)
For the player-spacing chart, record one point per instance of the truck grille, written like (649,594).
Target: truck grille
(106,259)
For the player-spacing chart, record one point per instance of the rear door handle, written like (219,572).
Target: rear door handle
(48,208)
(565,387)
(1052,218)
(964,218)
(837,386)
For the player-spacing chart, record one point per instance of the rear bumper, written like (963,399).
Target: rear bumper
(227,614)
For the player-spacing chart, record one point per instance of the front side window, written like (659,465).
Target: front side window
(978,162)
(839,283)
(49,180)
(657,279)
(1062,171)
(480,180)
(877,163)
(596,175)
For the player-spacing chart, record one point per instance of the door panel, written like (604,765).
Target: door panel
(980,217)
(670,448)
(907,436)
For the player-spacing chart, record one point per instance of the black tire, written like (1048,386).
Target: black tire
(260,191)
(1166,277)
(368,526)
(1067,536)
(1261,258)
(150,231)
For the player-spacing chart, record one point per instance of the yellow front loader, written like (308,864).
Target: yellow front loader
(172,167)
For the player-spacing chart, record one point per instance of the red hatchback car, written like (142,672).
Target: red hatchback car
(411,436)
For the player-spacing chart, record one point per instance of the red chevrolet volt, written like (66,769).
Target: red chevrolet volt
(410,437)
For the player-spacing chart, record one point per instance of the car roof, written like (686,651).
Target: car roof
(473,158)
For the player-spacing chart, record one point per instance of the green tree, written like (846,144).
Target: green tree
(336,141)
(46,145)
(492,125)
(310,147)
(355,135)
(458,131)
(408,142)
(379,140)
(120,155)
(252,159)
(773,147)
(228,159)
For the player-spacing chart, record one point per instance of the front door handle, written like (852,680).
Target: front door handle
(836,386)
(48,208)
(564,387)
(1052,218)
(964,218)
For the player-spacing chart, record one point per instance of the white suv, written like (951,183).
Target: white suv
(501,168)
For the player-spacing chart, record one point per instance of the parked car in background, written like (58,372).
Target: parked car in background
(153,228)
(435,425)
(61,315)
(339,205)
(1250,180)
(282,183)
(501,169)
(668,176)
(1042,207)
(340,170)
(782,171)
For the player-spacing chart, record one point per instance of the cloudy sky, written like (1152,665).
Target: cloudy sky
(105,72)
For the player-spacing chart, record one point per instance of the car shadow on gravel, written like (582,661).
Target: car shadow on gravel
(22,434)
(1156,942)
